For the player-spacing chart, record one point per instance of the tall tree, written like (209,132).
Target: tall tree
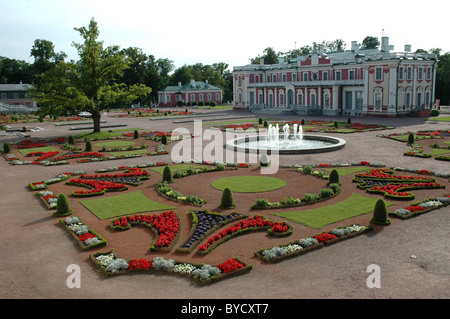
(90,84)
(14,71)
(443,78)
(45,58)
(370,42)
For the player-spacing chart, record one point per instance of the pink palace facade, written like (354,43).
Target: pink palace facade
(357,82)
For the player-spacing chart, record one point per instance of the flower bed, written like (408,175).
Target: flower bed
(422,207)
(304,245)
(166,225)
(393,186)
(101,183)
(110,264)
(256,223)
(165,190)
(86,238)
(203,224)
(44,184)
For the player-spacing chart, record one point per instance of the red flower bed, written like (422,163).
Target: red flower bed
(86,236)
(139,263)
(43,155)
(166,224)
(97,187)
(230,265)
(415,208)
(32,144)
(84,154)
(324,237)
(251,222)
(239,126)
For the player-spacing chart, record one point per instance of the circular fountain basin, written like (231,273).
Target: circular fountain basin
(308,145)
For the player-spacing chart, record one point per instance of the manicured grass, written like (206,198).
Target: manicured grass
(353,206)
(248,184)
(25,151)
(439,151)
(343,171)
(175,168)
(443,119)
(120,205)
(134,152)
(105,133)
(114,144)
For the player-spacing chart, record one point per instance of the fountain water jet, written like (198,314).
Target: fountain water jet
(287,143)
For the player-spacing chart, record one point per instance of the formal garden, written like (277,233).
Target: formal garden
(209,221)
(192,211)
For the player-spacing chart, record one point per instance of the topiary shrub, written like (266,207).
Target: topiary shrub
(62,206)
(167,175)
(260,121)
(164,139)
(135,134)
(6,148)
(88,146)
(336,124)
(380,213)
(410,138)
(334,177)
(70,140)
(227,200)
(264,160)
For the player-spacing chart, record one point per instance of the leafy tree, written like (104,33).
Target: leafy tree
(90,84)
(370,42)
(270,57)
(45,58)
(443,78)
(14,71)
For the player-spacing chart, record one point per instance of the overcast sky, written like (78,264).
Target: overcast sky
(210,31)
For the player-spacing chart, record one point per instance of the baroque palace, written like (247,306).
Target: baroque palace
(357,82)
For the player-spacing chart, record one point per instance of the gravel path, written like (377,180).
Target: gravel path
(413,255)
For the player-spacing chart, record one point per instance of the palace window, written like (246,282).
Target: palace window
(305,76)
(428,73)
(401,72)
(420,76)
(284,78)
(325,75)
(409,73)
(378,74)
(378,98)
(294,77)
(192,97)
(338,75)
(217,96)
(351,75)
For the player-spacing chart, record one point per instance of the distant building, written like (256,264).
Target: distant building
(357,82)
(14,97)
(191,93)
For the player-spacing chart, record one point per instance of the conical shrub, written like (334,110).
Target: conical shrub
(227,200)
(167,175)
(380,213)
(334,177)
(62,206)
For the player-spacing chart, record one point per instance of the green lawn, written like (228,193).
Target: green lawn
(133,152)
(124,204)
(248,184)
(175,168)
(443,119)
(343,171)
(114,144)
(46,149)
(353,206)
(439,151)
(105,133)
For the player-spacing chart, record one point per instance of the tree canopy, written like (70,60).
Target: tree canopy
(90,84)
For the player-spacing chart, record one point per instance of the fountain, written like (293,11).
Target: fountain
(286,143)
